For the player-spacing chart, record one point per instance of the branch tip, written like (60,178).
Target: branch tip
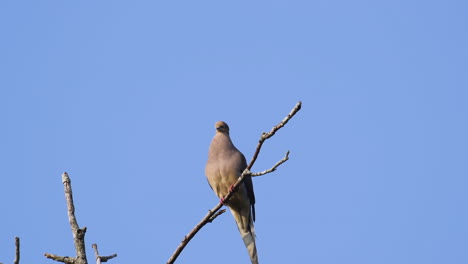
(17,251)
(220,212)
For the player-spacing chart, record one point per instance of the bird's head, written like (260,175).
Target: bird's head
(222,127)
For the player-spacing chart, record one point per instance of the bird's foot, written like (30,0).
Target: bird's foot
(231,188)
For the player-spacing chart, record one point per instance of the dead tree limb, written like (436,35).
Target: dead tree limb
(66,259)
(17,251)
(78,233)
(212,214)
(100,258)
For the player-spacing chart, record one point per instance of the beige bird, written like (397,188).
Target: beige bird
(225,164)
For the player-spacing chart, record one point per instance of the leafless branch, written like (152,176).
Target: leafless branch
(17,253)
(96,254)
(220,212)
(272,169)
(99,258)
(78,233)
(268,135)
(211,213)
(66,259)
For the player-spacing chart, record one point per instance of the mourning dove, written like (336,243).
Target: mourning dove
(225,165)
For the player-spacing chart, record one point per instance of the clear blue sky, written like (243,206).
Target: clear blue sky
(123,96)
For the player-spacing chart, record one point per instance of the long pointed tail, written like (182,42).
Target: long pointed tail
(249,241)
(245,225)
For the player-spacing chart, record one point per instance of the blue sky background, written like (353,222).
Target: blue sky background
(123,96)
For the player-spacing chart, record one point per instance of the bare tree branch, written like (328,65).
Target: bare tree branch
(17,253)
(99,258)
(212,214)
(78,233)
(272,169)
(268,135)
(220,212)
(66,259)
(96,254)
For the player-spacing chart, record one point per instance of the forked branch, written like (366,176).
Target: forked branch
(213,213)
(100,258)
(78,233)
(272,169)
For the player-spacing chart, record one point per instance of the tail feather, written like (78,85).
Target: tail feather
(245,225)
(249,241)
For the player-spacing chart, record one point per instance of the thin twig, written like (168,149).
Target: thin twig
(272,169)
(66,259)
(246,173)
(220,212)
(268,135)
(192,233)
(106,258)
(17,254)
(96,254)
(99,258)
